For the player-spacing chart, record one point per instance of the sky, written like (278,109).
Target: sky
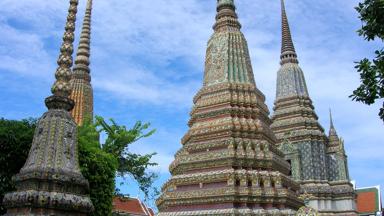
(147,63)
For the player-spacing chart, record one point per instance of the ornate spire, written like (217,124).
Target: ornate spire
(82,92)
(332,127)
(290,78)
(61,89)
(227,57)
(50,182)
(337,156)
(288,52)
(295,119)
(226,18)
(82,58)
(333,137)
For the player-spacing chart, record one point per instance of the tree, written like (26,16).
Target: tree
(99,164)
(129,164)
(15,142)
(98,167)
(371,72)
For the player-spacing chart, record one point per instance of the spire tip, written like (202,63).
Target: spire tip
(83,53)
(226,17)
(331,118)
(288,52)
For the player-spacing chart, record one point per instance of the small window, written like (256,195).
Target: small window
(261,183)
(290,164)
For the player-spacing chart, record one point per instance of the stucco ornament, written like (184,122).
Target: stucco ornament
(216,55)
(306,211)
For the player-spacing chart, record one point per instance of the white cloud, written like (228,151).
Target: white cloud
(23,52)
(160,30)
(142,86)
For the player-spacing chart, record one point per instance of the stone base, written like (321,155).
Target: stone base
(46,203)
(339,214)
(342,207)
(233,212)
(40,211)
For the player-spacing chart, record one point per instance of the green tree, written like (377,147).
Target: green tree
(119,138)
(99,163)
(98,167)
(15,142)
(371,72)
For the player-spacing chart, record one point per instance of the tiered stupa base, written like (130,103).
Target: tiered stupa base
(228,164)
(50,183)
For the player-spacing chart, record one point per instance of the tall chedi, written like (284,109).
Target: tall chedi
(82,92)
(228,164)
(302,138)
(50,182)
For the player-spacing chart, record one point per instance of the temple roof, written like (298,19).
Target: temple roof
(368,200)
(124,206)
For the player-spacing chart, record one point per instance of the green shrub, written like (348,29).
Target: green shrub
(15,142)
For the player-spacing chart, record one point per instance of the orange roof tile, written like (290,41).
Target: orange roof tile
(152,213)
(368,200)
(129,205)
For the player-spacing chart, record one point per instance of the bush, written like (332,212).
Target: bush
(15,142)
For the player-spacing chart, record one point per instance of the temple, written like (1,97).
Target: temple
(318,162)
(229,163)
(82,92)
(234,159)
(50,182)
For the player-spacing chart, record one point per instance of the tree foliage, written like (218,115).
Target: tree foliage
(99,163)
(98,167)
(15,142)
(371,71)
(129,164)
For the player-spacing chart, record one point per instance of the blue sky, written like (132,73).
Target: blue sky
(148,60)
